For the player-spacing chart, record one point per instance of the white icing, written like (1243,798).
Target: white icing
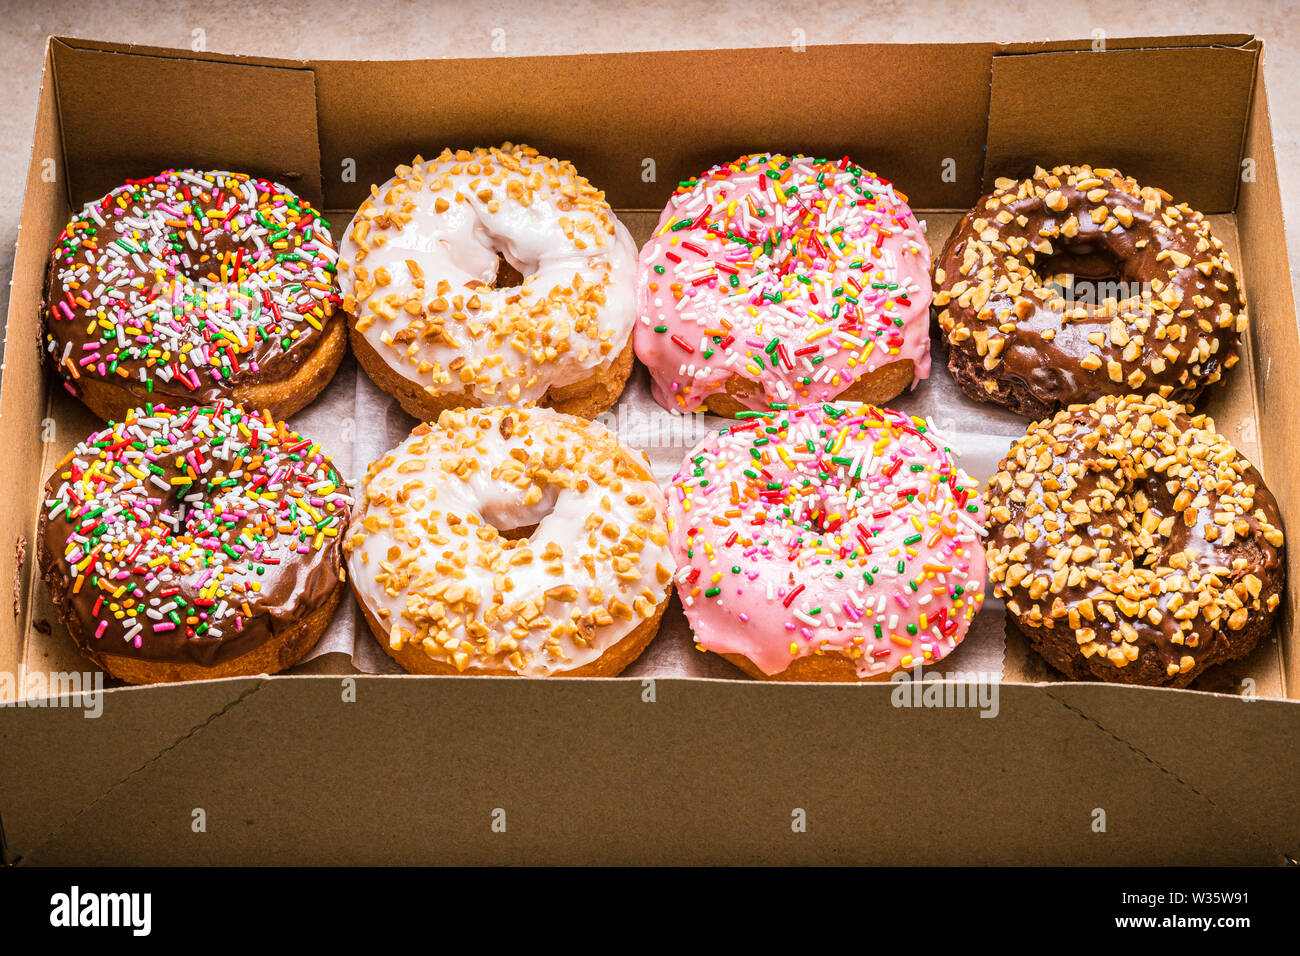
(444,524)
(553,240)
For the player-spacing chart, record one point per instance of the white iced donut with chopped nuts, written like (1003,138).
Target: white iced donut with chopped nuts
(491,277)
(511,541)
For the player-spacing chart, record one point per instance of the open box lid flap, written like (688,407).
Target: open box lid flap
(218,113)
(1184,134)
(899,104)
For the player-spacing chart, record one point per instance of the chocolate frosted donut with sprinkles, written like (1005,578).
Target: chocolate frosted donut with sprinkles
(783,279)
(194,543)
(827,543)
(194,287)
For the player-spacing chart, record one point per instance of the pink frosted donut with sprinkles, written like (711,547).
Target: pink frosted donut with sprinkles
(194,287)
(784,279)
(827,543)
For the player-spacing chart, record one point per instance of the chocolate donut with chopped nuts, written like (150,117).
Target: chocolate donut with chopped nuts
(1078,283)
(1133,543)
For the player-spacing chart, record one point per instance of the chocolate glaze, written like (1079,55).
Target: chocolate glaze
(1097,463)
(289,590)
(264,359)
(1184,314)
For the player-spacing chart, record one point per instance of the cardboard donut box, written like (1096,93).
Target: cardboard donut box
(323,765)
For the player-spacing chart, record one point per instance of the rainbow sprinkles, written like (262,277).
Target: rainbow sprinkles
(187,283)
(800,275)
(180,529)
(828,529)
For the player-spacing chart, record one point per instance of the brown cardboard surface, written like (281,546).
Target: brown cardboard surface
(1173,118)
(1101,40)
(198,109)
(1275,353)
(61,761)
(610,113)
(711,770)
(414,770)
(22,403)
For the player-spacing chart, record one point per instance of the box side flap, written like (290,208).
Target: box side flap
(23,401)
(637,123)
(217,114)
(1227,750)
(1183,133)
(687,771)
(1262,233)
(61,760)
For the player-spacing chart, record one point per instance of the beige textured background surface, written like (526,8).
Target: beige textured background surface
(447,28)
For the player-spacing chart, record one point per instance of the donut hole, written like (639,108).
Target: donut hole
(515,520)
(508,276)
(1087,273)
(820,522)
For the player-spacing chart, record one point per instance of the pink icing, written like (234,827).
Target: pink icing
(827,528)
(802,275)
